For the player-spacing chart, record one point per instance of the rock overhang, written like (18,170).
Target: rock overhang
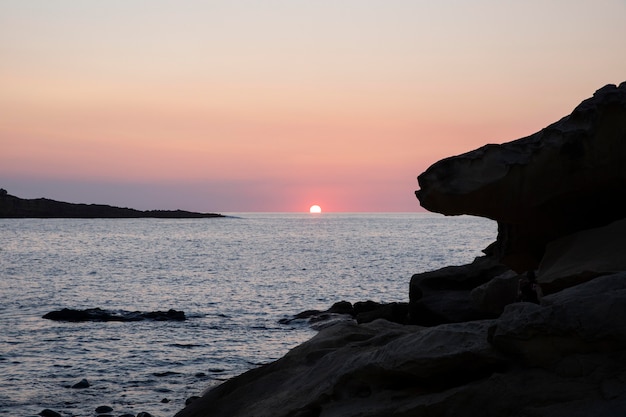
(567,177)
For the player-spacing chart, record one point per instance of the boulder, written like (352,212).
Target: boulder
(493,296)
(571,322)
(568,177)
(83,383)
(584,255)
(444,295)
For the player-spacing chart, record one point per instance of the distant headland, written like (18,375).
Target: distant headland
(15,207)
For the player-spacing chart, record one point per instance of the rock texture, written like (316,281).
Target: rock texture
(567,177)
(558,359)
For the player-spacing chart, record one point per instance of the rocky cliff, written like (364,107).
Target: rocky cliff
(567,177)
(473,348)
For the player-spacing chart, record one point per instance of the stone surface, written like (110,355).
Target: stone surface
(444,295)
(567,177)
(584,255)
(560,358)
(493,296)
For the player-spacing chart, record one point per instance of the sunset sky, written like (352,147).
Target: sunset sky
(240,106)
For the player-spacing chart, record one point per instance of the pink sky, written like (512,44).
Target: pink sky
(236,106)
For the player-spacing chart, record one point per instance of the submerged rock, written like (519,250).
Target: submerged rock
(97,314)
(82,384)
(565,178)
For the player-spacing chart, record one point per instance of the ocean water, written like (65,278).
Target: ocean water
(234,277)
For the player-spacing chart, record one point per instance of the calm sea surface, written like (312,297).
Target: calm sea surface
(233,277)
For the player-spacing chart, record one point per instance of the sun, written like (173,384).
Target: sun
(315,209)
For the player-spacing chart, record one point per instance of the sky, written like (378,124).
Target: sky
(273,106)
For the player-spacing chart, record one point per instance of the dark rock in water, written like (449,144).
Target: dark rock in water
(341,307)
(83,383)
(191,399)
(97,314)
(362,312)
(103,409)
(393,312)
(565,178)
(49,413)
(165,400)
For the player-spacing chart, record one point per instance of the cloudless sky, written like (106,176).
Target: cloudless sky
(267,105)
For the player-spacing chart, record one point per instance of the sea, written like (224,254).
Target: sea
(234,277)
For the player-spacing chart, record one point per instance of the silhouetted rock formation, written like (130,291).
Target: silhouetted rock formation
(558,197)
(15,207)
(567,177)
(97,314)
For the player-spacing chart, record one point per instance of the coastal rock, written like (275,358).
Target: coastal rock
(444,295)
(565,178)
(361,311)
(471,349)
(573,321)
(49,413)
(97,314)
(83,383)
(349,369)
(493,296)
(561,358)
(582,256)
(104,409)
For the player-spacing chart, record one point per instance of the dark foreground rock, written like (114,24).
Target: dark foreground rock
(97,314)
(565,178)
(15,207)
(561,358)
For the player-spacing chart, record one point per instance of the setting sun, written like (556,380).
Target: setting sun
(315,209)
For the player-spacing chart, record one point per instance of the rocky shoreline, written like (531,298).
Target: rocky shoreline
(468,343)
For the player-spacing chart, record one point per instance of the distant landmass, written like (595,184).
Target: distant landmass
(15,207)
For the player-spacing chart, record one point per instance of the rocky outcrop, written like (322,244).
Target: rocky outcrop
(565,178)
(561,358)
(444,295)
(472,348)
(97,314)
(15,207)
